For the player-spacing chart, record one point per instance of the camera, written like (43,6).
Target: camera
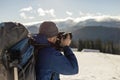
(61,35)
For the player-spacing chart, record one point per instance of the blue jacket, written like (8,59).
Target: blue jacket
(50,62)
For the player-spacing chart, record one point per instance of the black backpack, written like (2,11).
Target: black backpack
(16,53)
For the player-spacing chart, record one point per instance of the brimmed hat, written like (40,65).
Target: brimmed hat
(49,29)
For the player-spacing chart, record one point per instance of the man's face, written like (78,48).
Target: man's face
(54,39)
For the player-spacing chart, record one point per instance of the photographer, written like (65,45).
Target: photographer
(50,61)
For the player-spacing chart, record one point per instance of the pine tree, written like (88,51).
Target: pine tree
(80,45)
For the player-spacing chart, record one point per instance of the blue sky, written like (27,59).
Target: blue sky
(26,11)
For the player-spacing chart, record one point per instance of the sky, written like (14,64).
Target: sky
(28,11)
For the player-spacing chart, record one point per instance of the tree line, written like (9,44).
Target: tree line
(103,46)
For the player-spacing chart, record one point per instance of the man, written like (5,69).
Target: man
(51,62)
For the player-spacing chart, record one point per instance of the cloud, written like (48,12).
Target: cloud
(32,23)
(81,13)
(69,13)
(31,17)
(89,17)
(25,12)
(24,16)
(83,17)
(99,14)
(26,9)
(64,19)
(42,12)
(51,12)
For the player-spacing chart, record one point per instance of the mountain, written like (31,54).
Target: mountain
(97,32)
(62,25)
(105,29)
(71,24)
(33,29)
(109,22)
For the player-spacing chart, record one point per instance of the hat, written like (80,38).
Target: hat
(49,29)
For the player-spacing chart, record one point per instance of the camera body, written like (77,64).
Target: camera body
(61,35)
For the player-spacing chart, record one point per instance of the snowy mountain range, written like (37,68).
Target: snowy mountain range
(105,29)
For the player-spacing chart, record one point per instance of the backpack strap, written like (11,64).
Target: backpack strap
(37,46)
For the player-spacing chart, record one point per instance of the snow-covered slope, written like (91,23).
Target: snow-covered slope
(96,66)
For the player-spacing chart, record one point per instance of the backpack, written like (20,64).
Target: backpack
(10,34)
(16,53)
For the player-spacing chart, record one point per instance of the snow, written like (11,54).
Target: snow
(90,50)
(96,66)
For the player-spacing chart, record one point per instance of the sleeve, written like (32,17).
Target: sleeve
(64,64)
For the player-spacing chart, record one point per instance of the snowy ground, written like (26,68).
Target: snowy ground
(96,66)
